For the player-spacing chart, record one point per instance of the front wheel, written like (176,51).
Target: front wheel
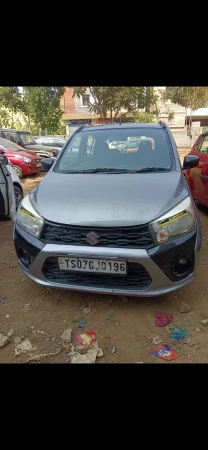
(18,171)
(18,196)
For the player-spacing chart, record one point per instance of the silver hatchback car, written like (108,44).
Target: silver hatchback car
(112,220)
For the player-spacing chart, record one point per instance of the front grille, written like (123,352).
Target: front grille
(128,237)
(137,279)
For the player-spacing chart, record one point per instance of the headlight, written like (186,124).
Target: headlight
(23,158)
(176,222)
(28,218)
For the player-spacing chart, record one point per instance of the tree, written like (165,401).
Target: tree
(143,117)
(11,100)
(112,99)
(192,97)
(42,107)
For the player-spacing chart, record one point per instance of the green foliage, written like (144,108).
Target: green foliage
(144,117)
(5,118)
(192,97)
(171,115)
(112,99)
(42,107)
(11,100)
(62,128)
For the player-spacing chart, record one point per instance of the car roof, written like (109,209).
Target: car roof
(14,130)
(49,137)
(124,125)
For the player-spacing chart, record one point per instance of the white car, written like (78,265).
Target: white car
(11,191)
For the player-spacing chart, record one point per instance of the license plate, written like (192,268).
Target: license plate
(93,265)
(38,165)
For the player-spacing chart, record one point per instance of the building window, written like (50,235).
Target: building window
(85,100)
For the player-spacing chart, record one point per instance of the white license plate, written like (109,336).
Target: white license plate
(38,165)
(93,265)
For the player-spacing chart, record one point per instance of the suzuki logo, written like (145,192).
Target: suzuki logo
(93,238)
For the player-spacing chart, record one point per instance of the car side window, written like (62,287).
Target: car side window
(8,145)
(47,142)
(203,145)
(58,143)
(133,145)
(13,137)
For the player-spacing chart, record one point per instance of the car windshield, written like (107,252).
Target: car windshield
(27,139)
(8,145)
(143,149)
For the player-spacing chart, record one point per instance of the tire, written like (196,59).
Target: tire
(18,195)
(18,171)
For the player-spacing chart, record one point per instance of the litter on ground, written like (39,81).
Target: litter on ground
(23,347)
(111,315)
(93,352)
(66,335)
(82,323)
(3,340)
(165,352)
(156,340)
(163,319)
(43,355)
(111,348)
(86,338)
(179,333)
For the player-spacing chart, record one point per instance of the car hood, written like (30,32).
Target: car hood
(12,154)
(37,147)
(108,199)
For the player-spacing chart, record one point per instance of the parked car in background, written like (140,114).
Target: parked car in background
(198,176)
(11,192)
(26,140)
(24,163)
(133,144)
(111,222)
(50,141)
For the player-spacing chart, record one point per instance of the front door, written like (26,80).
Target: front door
(7,197)
(4,200)
(200,172)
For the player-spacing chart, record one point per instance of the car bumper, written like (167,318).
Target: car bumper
(156,262)
(30,168)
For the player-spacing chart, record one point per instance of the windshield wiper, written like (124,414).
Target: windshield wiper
(109,170)
(106,170)
(151,169)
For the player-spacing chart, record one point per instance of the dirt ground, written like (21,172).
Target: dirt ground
(41,315)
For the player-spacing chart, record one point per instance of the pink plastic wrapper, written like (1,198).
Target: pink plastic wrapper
(86,338)
(163,319)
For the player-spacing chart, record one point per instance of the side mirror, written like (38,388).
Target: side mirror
(4,159)
(1,151)
(47,163)
(190,161)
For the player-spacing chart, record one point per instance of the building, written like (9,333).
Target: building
(76,111)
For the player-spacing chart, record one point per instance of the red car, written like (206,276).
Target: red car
(24,163)
(198,176)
